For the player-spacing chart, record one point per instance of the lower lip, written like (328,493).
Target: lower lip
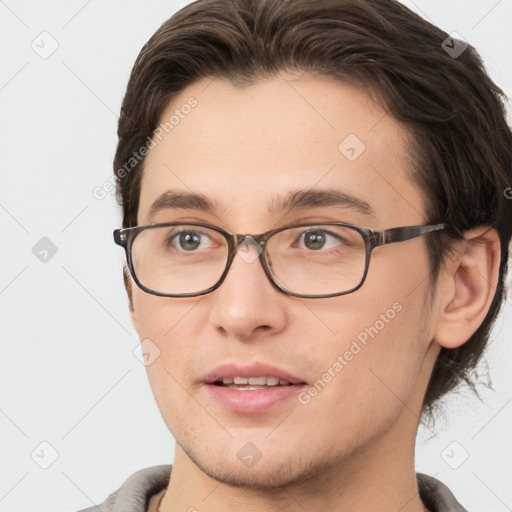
(254,400)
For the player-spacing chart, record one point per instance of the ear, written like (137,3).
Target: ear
(127,279)
(466,286)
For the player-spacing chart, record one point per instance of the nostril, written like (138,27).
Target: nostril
(264,327)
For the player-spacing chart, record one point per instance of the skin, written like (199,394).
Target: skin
(351,447)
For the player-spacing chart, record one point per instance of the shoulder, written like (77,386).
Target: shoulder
(136,491)
(436,496)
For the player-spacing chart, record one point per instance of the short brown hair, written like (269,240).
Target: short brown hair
(462,146)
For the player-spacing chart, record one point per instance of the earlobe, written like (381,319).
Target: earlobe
(467,286)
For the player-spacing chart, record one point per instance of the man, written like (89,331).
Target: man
(316,234)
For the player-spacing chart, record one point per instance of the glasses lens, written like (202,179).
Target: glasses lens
(317,260)
(179,259)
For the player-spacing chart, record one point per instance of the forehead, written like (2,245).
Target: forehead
(249,147)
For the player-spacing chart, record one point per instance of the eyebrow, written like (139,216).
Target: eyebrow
(181,201)
(302,200)
(296,200)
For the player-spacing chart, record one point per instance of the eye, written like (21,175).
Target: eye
(189,240)
(317,239)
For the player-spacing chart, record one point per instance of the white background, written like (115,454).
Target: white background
(69,376)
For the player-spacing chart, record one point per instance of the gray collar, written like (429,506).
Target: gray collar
(135,493)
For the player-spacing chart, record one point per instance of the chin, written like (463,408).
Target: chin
(269,473)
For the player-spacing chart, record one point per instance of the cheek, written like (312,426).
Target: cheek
(380,335)
(364,381)
(160,318)
(171,330)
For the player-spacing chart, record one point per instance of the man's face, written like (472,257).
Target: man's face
(247,149)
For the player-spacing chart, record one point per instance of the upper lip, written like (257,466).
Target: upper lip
(253,370)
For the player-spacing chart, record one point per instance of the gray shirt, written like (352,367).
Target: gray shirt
(135,493)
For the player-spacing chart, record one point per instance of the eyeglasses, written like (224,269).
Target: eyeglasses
(308,260)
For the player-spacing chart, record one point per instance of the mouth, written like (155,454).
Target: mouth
(251,389)
(253,383)
(257,375)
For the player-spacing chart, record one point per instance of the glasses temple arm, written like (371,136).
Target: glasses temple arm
(390,236)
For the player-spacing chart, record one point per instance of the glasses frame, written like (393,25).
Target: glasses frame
(125,237)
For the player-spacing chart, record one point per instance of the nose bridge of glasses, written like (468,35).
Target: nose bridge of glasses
(248,247)
(247,239)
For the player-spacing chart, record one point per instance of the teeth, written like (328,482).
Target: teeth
(255,381)
(260,381)
(245,388)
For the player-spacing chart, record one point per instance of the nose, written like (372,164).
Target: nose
(246,302)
